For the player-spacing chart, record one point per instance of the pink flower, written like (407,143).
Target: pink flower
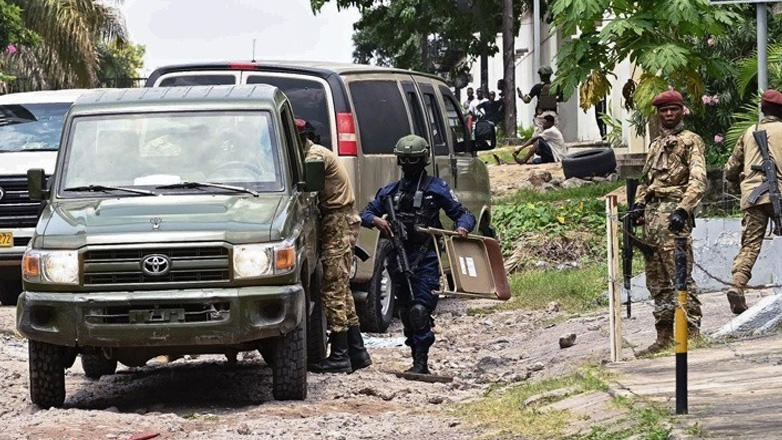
(715,99)
(686,110)
(718,139)
(706,99)
(711,41)
(11,49)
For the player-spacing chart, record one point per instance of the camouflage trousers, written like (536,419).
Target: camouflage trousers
(338,235)
(661,269)
(753,229)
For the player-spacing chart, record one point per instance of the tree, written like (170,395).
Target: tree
(662,37)
(120,63)
(12,32)
(68,52)
(427,35)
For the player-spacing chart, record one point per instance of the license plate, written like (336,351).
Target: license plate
(6,239)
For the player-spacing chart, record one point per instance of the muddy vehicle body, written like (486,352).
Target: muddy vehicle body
(179,221)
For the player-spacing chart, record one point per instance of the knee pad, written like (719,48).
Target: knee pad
(419,318)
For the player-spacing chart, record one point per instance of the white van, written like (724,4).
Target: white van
(30,128)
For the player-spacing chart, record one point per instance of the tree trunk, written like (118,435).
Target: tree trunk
(509,64)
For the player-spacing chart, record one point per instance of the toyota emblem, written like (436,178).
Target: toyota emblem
(156,265)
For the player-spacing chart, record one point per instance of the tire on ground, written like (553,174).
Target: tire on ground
(316,327)
(589,163)
(47,374)
(376,313)
(289,369)
(96,365)
(9,292)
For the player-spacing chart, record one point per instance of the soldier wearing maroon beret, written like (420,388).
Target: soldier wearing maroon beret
(673,183)
(757,214)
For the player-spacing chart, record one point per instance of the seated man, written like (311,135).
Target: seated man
(548,144)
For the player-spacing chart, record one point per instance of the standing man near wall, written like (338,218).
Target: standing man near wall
(673,183)
(757,212)
(339,225)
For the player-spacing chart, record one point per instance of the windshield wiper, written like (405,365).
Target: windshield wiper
(103,188)
(190,184)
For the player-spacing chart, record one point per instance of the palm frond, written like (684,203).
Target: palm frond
(742,120)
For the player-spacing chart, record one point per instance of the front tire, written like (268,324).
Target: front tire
(376,313)
(289,369)
(47,374)
(96,365)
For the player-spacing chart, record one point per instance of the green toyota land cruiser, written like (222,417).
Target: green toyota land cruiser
(178,221)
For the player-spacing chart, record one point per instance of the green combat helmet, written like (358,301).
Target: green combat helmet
(411,148)
(545,70)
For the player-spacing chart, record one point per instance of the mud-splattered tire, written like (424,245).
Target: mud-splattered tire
(376,313)
(289,370)
(47,374)
(96,365)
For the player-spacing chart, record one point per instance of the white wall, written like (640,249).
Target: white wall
(575,124)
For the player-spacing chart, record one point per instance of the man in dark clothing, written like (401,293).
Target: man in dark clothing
(547,99)
(417,199)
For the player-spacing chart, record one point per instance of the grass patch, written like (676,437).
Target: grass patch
(648,419)
(592,191)
(576,290)
(504,153)
(502,412)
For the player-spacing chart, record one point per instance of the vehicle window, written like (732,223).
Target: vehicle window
(153,149)
(197,80)
(308,99)
(438,130)
(458,127)
(418,116)
(294,144)
(31,126)
(381,115)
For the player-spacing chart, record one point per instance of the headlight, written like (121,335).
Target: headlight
(258,260)
(56,267)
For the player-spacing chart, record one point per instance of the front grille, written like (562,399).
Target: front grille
(212,312)
(194,264)
(21,241)
(16,208)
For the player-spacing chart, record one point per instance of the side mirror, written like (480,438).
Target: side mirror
(485,136)
(36,184)
(314,175)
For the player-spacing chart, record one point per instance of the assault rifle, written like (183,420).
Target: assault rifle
(770,184)
(398,241)
(629,241)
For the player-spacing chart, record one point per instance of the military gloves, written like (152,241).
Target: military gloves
(677,220)
(637,214)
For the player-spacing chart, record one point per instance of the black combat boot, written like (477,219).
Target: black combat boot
(420,361)
(338,360)
(359,357)
(738,303)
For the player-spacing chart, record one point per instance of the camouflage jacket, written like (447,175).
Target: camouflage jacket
(675,170)
(746,153)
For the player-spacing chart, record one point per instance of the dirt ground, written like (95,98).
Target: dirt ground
(205,398)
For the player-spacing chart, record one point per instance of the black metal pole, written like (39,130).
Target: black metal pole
(680,327)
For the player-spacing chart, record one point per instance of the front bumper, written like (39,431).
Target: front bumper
(168,318)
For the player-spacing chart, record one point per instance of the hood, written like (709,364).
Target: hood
(71,224)
(16,163)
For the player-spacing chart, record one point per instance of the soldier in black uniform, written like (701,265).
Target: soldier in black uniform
(417,200)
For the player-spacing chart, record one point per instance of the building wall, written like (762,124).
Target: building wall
(575,124)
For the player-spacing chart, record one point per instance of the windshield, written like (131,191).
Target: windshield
(31,126)
(150,150)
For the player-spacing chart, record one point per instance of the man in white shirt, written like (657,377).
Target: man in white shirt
(470,97)
(548,144)
(473,107)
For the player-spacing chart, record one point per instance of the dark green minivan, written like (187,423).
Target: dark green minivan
(178,221)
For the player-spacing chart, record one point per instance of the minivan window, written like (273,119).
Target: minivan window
(438,130)
(154,149)
(197,80)
(458,128)
(36,127)
(308,99)
(381,114)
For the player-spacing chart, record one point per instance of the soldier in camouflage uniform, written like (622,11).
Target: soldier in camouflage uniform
(757,215)
(674,181)
(338,234)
